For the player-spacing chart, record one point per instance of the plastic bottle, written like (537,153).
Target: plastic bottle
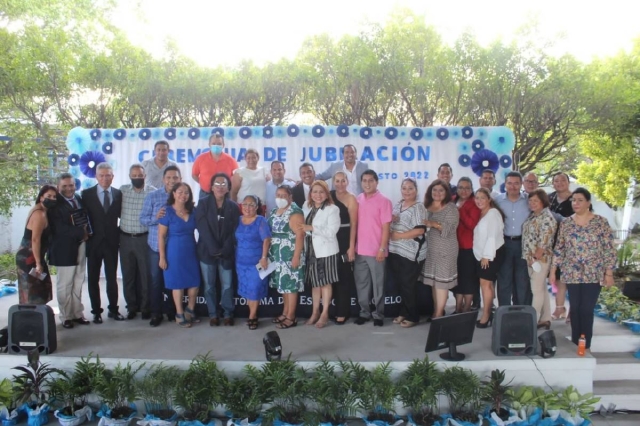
(582,344)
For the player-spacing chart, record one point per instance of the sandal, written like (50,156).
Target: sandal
(283,325)
(398,320)
(278,320)
(182,321)
(408,324)
(559,313)
(321,324)
(190,315)
(252,323)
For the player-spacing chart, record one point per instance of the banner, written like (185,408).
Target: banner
(393,152)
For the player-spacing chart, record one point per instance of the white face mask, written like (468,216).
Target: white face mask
(281,203)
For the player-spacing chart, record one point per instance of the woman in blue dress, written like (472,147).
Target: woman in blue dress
(253,238)
(178,257)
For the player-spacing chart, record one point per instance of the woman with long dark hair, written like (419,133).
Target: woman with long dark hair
(34,282)
(468,280)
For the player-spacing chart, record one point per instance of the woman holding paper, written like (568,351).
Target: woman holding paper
(321,227)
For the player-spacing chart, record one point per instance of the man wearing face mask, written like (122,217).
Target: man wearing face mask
(209,163)
(134,260)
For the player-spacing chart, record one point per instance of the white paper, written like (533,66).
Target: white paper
(265,272)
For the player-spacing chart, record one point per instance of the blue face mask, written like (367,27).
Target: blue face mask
(216,149)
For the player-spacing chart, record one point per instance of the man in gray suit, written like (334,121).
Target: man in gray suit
(351,166)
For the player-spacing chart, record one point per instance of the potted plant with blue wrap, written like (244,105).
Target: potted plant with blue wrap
(334,401)
(70,391)
(418,389)
(462,389)
(288,385)
(118,391)
(375,392)
(157,391)
(8,408)
(244,397)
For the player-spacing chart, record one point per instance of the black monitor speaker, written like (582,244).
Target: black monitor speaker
(515,331)
(631,289)
(547,342)
(32,327)
(450,332)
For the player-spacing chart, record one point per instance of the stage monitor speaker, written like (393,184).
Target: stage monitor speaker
(631,289)
(515,331)
(32,327)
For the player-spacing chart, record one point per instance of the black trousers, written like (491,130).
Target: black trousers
(405,273)
(343,289)
(583,299)
(134,262)
(96,255)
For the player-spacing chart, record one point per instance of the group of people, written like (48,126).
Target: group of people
(273,231)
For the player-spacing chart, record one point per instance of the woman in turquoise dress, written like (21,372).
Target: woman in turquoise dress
(30,255)
(287,248)
(178,257)
(253,237)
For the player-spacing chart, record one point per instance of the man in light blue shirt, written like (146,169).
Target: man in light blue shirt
(513,276)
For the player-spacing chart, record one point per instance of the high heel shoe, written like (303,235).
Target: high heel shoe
(559,313)
(485,324)
(546,325)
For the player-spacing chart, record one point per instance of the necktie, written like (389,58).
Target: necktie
(107,201)
(73,203)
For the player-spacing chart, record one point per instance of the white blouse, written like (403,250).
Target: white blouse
(488,235)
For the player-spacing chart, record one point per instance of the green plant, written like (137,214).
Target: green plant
(8,268)
(331,394)
(523,400)
(628,259)
(374,389)
(117,388)
(617,305)
(201,388)
(288,383)
(157,390)
(462,388)
(7,399)
(576,404)
(244,396)
(494,392)
(418,389)
(31,386)
(71,390)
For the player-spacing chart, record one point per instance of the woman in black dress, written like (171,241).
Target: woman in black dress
(34,245)
(348,206)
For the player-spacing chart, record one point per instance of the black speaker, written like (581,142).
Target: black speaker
(631,289)
(515,331)
(547,342)
(32,327)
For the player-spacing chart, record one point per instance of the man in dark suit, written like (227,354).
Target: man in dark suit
(300,192)
(67,252)
(103,204)
(350,166)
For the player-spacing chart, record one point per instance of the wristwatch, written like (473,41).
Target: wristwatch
(382,250)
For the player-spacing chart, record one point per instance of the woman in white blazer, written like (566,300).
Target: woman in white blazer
(321,227)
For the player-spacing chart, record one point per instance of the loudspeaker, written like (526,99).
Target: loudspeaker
(631,289)
(547,342)
(514,331)
(32,327)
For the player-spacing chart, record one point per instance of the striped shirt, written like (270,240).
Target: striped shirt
(407,220)
(153,202)
(132,202)
(155,173)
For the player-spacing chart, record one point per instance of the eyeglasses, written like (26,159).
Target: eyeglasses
(219,183)
(464,188)
(249,206)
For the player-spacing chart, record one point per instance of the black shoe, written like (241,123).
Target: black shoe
(171,317)
(378,323)
(67,324)
(116,316)
(361,320)
(82,321)
(97,319)
(146,315)
(155,321)
(131,315)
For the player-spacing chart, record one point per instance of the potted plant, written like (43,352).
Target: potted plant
(118,391)
(494,392)
(288,385)
(31,388)
(375,392)
(524,403)
(334,401)
(573,407)
(71,391)
(244,397)
(200,389)
(418,389)
(8,406)
(462,388)
(157,391)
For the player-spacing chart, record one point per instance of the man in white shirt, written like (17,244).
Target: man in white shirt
(277,179)
(350,166)
(488,181)
(300,192)
(154,167)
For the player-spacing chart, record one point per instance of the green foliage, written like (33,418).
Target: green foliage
(575,403)
(523,400)
(331,392)
(8,268)
(374,389)
(72,389)
(117,387)
(201,388)
(462,388)
(7,399)
(494,390)
(617,305)
(244,396)
(288,383)
(628,261)
(32,386)
(419,386)
(158,387)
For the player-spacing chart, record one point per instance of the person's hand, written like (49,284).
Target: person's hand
(305,228)
(161,213)
(608,280)
(264,263)
(85,237)
(394,236)
(552,276)
(163,264)
(38,268)
(395,218)
(295,262)
(484,263)
(351,254)
(380,257)
(538,253)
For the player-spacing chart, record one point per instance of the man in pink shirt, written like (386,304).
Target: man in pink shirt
(209,163)
(374,221)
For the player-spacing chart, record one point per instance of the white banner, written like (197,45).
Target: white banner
(393,152)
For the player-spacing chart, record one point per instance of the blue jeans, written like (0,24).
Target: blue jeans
(156,288)
(209,276)
(513,276)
